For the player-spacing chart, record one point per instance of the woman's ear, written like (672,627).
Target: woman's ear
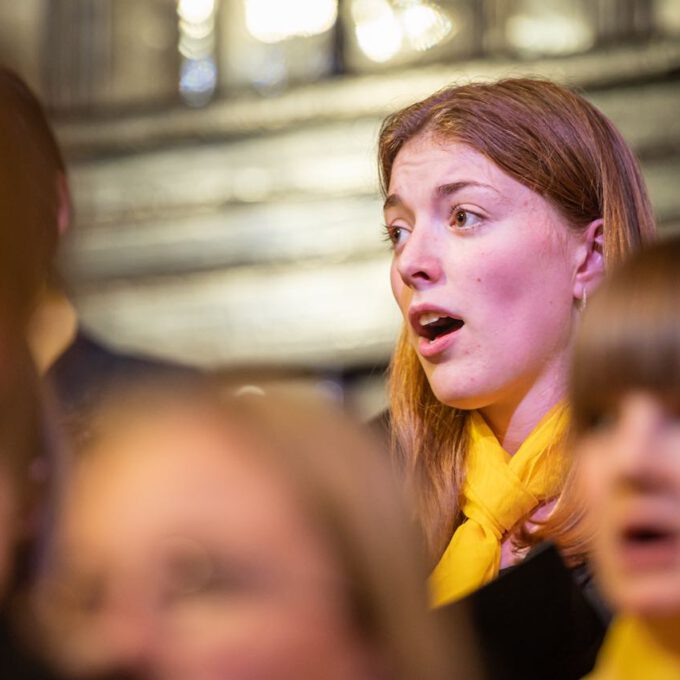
(590,270)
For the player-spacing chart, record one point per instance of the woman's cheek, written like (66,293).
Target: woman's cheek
(397,285)
(592,475)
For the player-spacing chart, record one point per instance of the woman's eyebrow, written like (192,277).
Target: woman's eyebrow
(443,191)
(391,201)
(446,190)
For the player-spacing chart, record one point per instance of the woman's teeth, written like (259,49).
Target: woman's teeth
(430,317)
(433,325)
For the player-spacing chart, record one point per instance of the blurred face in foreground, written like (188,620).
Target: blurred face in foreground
(181,556)
(630,471)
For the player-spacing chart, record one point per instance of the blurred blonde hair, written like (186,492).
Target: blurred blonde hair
(347,491)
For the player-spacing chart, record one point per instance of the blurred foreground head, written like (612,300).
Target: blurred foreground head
(205,537)
(34,202)
(626,409)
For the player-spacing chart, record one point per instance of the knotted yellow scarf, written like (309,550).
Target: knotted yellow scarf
(632,652)
(499,491)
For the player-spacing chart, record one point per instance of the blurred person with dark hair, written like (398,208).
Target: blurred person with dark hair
(29,206)
(38,329)
(35,212)
(624,502)
(206,537)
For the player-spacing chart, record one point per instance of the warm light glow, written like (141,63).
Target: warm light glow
(197,31)
(377,29)
(274,20)
(549,33)
(196,49)
(195,11)
(667,15)
(424,25)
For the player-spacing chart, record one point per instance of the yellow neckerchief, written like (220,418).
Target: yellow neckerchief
(631,652)
(499,491)
(51,330)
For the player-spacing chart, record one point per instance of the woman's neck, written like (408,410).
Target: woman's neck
(512,420)
(665,631)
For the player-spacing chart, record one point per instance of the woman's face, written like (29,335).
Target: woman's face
(630,474)
(180,556)
(484,274)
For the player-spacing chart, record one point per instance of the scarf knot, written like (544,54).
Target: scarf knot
(499,491)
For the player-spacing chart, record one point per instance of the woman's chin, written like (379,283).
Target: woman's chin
(657,597)
(460,400)
(455,395)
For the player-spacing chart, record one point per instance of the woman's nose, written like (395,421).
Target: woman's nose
(419,263)
(131,638)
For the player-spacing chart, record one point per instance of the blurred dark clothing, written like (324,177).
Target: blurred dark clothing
(16,661)
(87,369)
(538,620)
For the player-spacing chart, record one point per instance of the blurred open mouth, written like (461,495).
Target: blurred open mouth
(649,546)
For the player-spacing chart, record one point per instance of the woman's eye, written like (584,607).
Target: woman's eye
(189,573)
(395,235)
(602,421)
(464,219)
(213,579)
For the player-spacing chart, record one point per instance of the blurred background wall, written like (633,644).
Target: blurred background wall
(222,154)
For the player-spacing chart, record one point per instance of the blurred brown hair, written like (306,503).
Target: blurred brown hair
(556,143)
(30,166)
(629,340)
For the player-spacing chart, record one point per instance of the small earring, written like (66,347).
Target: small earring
(584,299)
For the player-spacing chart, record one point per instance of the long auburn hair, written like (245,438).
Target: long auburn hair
(557,144)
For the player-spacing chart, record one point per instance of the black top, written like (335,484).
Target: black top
(87,369)
(16,661)
(537,620)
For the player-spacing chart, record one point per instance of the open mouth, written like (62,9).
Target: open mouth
(433,325)
(649,546)
(646,536)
